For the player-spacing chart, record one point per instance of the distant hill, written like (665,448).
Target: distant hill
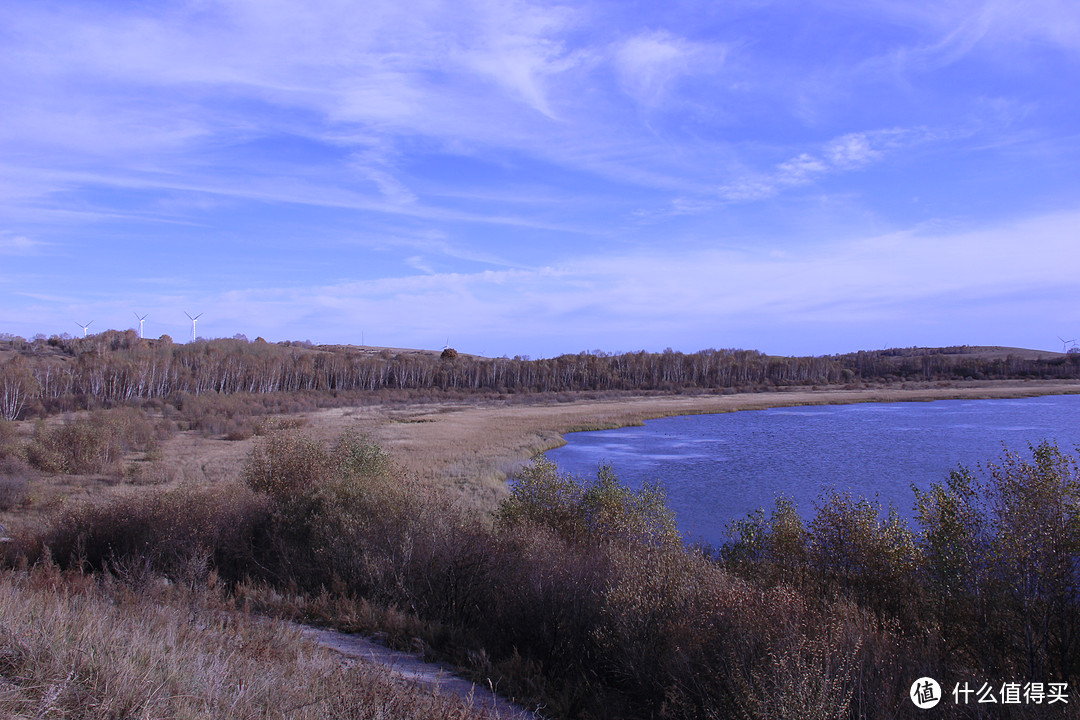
(981,352)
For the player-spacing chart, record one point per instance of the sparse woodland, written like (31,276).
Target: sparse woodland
(64,373)
(576,596)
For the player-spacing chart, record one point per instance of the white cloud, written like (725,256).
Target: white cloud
(880,279)
(519,46)
(13,244)
(650,63)
(849,152)
(799,170)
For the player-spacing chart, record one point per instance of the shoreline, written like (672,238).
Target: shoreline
(474,448)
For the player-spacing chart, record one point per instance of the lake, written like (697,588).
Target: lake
(717,468)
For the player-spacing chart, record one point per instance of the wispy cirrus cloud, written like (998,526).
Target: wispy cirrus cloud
(14,244)
(569,148)
(649,64)
(846,153)
(914,280)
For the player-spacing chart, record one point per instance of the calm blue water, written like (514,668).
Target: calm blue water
(717,468)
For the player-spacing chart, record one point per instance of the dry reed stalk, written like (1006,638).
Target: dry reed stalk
(72,646)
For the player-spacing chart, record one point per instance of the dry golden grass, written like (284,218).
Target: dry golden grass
(74,647)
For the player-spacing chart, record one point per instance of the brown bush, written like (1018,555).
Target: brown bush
(95,442)
(15,476)
(587,510)
(241,415)
(182,533)
(8,435)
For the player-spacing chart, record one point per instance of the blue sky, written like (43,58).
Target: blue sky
(538,178)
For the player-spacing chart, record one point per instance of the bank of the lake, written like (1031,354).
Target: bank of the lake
(474,447)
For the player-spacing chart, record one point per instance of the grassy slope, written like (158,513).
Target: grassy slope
(71,646)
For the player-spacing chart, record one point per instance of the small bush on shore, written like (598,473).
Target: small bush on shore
(987,584)
(580,510)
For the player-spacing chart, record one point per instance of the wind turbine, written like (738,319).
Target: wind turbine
(141,320)
(1065,343)
(193,319)
(84,327)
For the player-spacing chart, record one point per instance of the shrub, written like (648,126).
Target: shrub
(345,514)
(1002,553)
(286,467)
(182,533)
(15,477)
(8,434)
(579,596)
(856,552)
(772,549)
(988,582)
(95,442)
(575,509)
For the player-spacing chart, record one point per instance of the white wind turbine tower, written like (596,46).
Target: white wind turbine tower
(193,319)
(141,321)
(84,327)
(1065,343)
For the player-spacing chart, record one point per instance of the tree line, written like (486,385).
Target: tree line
(117,367)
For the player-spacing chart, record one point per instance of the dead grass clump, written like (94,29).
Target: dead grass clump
(148,472)
(267,425)
(71,648)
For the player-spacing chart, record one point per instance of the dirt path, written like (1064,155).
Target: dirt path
(432,677)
